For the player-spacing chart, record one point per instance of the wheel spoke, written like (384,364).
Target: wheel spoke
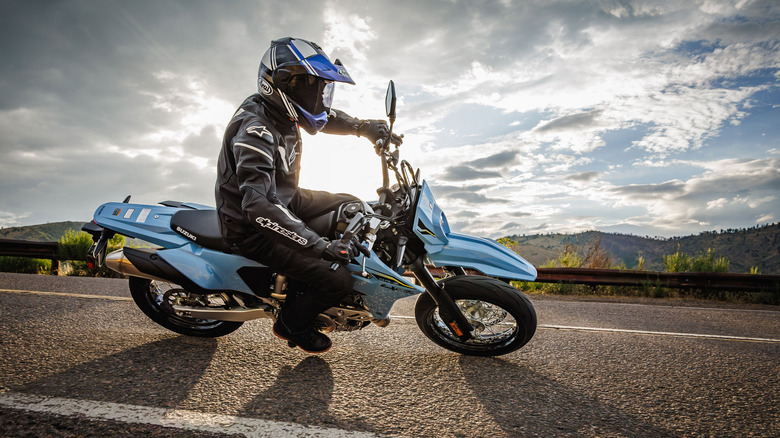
(491,324)
(158,291)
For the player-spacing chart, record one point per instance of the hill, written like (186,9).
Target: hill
(49,232)
(745,248)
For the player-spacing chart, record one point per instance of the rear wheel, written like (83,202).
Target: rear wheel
(156,299)
(502,318)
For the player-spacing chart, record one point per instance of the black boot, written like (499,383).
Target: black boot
(307,339)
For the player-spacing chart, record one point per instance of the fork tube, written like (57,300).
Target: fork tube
(448,310)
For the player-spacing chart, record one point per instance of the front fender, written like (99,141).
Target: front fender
(486,256)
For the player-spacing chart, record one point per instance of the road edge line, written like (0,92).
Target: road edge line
(174,418)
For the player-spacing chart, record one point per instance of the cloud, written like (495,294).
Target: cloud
(10,219)
(583,176)
(476,198)
(469,194)
(466,173)
(500,159)
(651,191)
(727,189)
(570,122)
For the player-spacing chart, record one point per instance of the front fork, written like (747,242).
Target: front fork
(448,310)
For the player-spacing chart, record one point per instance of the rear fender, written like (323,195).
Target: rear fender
(151,223)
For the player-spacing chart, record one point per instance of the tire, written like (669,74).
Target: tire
(503,319)
(148,296)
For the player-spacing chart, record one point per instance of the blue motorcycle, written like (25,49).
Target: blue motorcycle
(191,284)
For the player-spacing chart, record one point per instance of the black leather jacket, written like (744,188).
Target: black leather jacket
(257,176)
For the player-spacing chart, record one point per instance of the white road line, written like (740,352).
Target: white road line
(66,294)
(639,332)
(647,332)
(668,306)
(177,418)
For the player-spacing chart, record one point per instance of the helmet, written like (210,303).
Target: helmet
(296,77)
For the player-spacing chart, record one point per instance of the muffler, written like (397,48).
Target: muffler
(117,261)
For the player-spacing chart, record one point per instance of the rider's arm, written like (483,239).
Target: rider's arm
(342,123)
(254,149)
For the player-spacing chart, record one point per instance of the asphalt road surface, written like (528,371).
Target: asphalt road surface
(82,360)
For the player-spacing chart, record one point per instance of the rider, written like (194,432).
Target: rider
(262,212)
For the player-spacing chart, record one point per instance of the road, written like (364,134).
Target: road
(82,360)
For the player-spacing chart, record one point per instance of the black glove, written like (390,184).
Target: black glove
(338,251)
(375,130)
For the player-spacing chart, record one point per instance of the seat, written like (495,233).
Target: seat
(200,226)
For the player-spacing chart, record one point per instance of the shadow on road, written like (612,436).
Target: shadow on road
(300,394)
(303,394)
(540,405)
(159,373)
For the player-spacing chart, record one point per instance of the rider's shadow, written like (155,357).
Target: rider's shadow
(541,406)
(300,394)
(160,373)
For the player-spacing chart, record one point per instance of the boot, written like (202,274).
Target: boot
(307,339)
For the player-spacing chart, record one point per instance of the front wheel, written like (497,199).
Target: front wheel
(502,318)
(156,299)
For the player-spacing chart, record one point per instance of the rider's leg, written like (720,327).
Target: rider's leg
(307,204)
(319,287)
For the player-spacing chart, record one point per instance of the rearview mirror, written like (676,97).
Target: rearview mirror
(390,100)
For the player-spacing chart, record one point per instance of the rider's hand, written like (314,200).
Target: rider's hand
(338,251)
(375,130)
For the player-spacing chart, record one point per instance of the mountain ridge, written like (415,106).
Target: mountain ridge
(745,248)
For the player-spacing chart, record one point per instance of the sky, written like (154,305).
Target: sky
(653,118)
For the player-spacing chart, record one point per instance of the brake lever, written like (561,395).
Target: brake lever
(354,226)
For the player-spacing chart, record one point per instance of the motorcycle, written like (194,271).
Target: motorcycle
(193,285)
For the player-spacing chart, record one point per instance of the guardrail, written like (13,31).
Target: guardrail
(674,280)
(679,280)
(35,250)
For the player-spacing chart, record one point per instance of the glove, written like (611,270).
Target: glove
(340,252)
(375,130)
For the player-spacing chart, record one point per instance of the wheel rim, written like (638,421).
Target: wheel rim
(156,297)
(492,325)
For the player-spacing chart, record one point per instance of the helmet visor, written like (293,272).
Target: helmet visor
(313,94)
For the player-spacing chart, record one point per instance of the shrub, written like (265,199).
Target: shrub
(569,257)
(704,262)
(640,264)
(74,245)
(24,265)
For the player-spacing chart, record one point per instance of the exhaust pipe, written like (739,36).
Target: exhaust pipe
(116,261)
(235,314)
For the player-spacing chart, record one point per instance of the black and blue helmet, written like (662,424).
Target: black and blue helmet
(297,78)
